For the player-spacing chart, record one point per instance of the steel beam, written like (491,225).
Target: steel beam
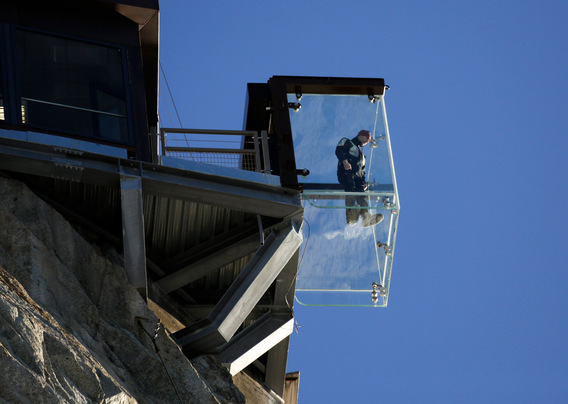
(283,131)
(241,195)
(255,340)
(276,362)
(243,295)
(133,233)
(212,262)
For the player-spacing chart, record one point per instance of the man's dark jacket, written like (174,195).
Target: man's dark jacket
(353,180)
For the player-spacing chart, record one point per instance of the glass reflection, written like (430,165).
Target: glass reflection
(72,86)
(323,120)
(344,264)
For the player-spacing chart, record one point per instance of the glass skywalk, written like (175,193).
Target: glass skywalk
(344,265)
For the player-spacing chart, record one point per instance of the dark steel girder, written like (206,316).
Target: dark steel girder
(212,262)
(243,295)
(237,194)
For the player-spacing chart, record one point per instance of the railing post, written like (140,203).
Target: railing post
(260,143)
(132,211)
(256,152)
(163,141)
(154,143)
(265,151)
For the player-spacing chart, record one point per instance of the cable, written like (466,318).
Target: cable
(173,103)
(170,92)
(154,338)
(167,109)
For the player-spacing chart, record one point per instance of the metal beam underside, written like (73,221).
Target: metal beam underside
(210,190)
(133,233)
(277,357)
(240,195)
(243,295)
(276,363)
(248,228)
(254,341)
(211,262)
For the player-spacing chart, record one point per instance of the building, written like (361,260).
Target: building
(211,237)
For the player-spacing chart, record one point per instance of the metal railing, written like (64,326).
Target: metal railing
(244,150)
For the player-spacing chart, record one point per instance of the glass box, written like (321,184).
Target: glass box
(342,264)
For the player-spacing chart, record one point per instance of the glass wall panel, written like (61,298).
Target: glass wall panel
(72,86)
(318,126)
(323,120)
(347,256)
(341,263)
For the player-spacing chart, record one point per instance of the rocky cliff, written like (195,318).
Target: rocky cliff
(71,327)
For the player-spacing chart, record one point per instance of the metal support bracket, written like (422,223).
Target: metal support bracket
(242,296)
(133,233)
(254,341)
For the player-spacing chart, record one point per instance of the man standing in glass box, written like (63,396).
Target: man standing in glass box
(351,174)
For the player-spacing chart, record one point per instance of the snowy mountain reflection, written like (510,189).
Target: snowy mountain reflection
(340,262)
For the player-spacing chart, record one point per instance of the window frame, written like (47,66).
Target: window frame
(5,72)
(12,75)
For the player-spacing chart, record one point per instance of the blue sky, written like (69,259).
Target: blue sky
(478,120)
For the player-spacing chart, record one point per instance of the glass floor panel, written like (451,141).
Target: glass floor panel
(341,264)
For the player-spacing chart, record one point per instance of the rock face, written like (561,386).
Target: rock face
(71,327)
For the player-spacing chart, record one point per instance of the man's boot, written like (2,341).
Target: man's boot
(371,220)
(352,216)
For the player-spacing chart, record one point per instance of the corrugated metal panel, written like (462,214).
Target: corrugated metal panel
(174,226)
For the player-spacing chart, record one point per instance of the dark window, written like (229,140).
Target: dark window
(2,113)
(1,101)
(72,86)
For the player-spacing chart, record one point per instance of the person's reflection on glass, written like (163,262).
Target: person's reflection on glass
(351,174)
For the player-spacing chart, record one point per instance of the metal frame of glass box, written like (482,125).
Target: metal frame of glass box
(342,265)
